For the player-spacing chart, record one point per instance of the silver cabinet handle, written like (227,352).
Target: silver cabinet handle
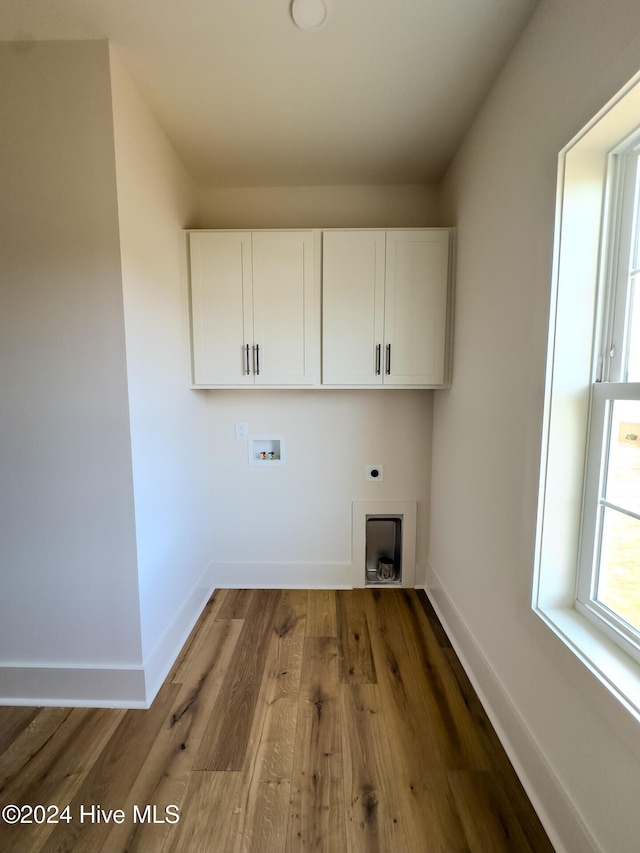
(388,370)
(248,370)
(257,359)
(378,348)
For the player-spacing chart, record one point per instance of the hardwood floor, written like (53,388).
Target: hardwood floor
(292,721)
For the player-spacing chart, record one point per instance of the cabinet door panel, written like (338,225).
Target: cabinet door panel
(353,306)
(221,306)
(283,306)
(417,265)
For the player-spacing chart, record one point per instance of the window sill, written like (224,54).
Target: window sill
(614,669)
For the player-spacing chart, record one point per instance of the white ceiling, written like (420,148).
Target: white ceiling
(382,94)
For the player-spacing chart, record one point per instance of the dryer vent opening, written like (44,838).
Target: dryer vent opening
(383,549)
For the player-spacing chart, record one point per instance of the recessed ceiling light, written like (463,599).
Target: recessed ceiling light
(309,14)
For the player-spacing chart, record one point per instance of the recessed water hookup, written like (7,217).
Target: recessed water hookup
(266,450)
(374,473)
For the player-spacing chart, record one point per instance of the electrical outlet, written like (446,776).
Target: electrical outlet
(374,473)
(242,430)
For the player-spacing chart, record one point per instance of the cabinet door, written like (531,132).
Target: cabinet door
(417,266)
(284,308)
(352,307)
(221,312)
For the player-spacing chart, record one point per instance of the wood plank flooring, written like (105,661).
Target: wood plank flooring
(292,721)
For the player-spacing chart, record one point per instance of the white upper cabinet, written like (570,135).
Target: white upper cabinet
(221,296)
(352,307)
(385,299)
(254,316)
(415,307)
(255,308)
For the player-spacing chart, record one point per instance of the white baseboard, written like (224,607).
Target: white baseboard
(104,686)
(295,575)
(564,826)
(285,576)
(159,662)
(69,686)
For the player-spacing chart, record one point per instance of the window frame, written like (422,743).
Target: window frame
(611,345)
(619,232)
(580,315)
(604,394)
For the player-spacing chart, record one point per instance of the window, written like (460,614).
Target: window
(587,564)
(608,589)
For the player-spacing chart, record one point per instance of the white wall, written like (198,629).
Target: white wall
(168,421)
(293,522)
(500,193)
(317,207)
(69,594)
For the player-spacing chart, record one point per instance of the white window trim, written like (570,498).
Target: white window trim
(601,617)
(612,349)
(581,204)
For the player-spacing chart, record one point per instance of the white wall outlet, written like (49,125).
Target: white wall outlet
(242,430)
(375,472)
